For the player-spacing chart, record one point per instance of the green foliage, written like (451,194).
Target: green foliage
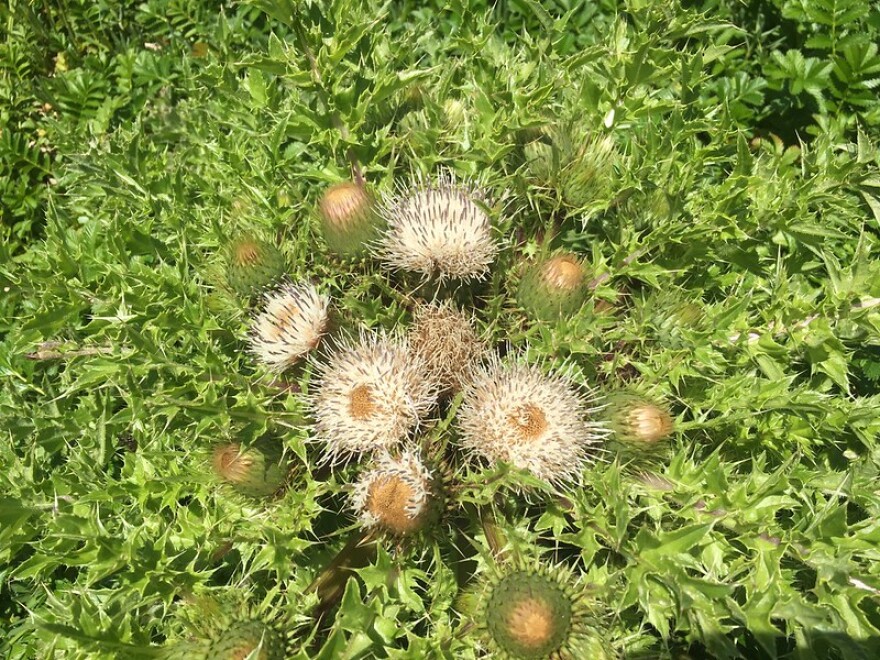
(732,244)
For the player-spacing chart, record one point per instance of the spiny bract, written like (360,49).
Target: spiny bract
(438,228)
(291,323)
(516,414)
(370,393)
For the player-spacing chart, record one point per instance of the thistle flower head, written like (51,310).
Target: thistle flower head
(517,414)
(257,471)
(347,218)
(554,287)
(252,265)
(227,625)
(291,323)
(369,395)
(536,611)
(639,421)
(395,494)
(438,228)
(248,640)
(445,338)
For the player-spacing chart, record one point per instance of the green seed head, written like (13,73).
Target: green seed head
(529,615)
(252,265)
(554,288)
(257,471)
(348,223)
(248,640)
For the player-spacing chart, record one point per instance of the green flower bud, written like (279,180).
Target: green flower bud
(252,265)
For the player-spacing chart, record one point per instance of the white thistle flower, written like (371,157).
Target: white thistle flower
(394,494)
(517,414)
(291,323)
(370,394)
(438,228)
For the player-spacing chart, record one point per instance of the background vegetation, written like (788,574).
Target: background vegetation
(732,226)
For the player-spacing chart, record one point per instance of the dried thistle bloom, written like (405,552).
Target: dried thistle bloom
(395,495)
(554,287)
(440,229)
(638,421)
(257,471)
(445,337)
(516,414)
(252,265)
(348,222)
(293,320)
(369,395)
(536,611)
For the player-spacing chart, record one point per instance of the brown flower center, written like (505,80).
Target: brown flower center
(361,402)
(283,320)
(530,622)
(387,500)
(564,272)
(529,420)
(247,253)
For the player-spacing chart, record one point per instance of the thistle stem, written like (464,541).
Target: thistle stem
(330,583)
(356,171)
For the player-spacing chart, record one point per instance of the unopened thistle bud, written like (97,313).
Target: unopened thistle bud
(370,394)
(348,221)
(256,471)
(587,178)
(438,229)
(290,325)
(518,415)
(554,288)
(251,640)
(638,421)
(445,337)
(395,495)
(536,612)
(252,265)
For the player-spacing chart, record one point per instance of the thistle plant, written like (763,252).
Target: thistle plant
(638,421)
(690,208)
(529,610)
(256,471)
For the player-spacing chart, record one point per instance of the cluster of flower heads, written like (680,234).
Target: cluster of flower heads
(371,394)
